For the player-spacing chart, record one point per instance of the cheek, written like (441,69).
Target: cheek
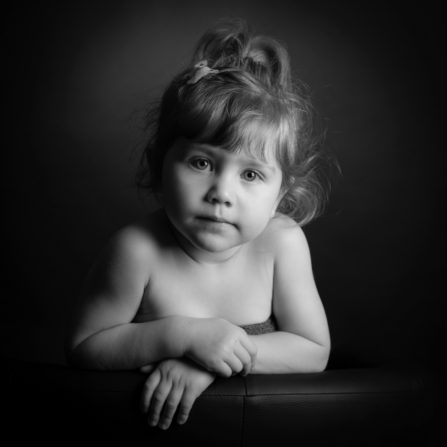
(272,198)
(179,192)
(261,208)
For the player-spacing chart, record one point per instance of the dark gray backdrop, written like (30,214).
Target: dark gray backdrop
(77,78)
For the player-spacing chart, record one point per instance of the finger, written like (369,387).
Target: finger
(245,358)
(147,368)
(158,400)
(148,389)
(220,368)
(250,346)
(224,369)
(252,350)
(234,364)
(185,407)
(170,407)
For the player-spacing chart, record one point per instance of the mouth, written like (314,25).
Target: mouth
(215,219)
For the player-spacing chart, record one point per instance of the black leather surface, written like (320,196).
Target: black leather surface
(371,406)
(342,407)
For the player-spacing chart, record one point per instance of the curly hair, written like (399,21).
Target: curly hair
(247,101)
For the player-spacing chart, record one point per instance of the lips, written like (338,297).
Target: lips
(215,219)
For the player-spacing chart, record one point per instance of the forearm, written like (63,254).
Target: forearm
(131,345)
(284,352)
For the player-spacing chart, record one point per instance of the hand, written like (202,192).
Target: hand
(172,388)
(220,347)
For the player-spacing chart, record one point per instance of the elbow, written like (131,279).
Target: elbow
(324,358)
(71,353)
(313,360)
(77,355)
(321,359)
(318,366)
(324,353)
(72,356)
(80,358)
(321,364)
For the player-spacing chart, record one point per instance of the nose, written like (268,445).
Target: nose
(221,192)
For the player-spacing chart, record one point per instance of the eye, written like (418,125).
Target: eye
(200,163)
(250,175)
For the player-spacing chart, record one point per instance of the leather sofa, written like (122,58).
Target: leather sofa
(363,406)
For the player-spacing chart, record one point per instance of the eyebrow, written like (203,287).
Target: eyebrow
(211,150)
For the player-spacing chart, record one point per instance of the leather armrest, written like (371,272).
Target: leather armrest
(370,406)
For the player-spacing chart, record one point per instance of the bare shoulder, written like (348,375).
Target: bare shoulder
(283,233)
(138,241)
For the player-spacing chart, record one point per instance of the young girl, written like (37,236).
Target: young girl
(218,281)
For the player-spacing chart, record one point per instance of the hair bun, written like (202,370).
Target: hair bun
(231,44)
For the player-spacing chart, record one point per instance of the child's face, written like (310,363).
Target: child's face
(218,200)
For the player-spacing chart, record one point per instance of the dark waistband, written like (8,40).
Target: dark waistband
(265,327)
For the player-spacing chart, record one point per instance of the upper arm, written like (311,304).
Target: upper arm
(114,287)
(296,303)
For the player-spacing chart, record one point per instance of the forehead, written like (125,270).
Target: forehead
(252,135)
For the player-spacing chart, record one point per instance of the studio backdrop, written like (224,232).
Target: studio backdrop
(78,78)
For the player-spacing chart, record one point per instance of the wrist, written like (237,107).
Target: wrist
(255,340)
(179,335)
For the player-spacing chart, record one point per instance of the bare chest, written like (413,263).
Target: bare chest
(240,293)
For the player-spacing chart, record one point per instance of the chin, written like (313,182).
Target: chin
(212,243)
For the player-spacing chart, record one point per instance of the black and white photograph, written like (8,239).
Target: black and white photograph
(223,223)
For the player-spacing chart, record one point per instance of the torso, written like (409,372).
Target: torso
(239,290)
